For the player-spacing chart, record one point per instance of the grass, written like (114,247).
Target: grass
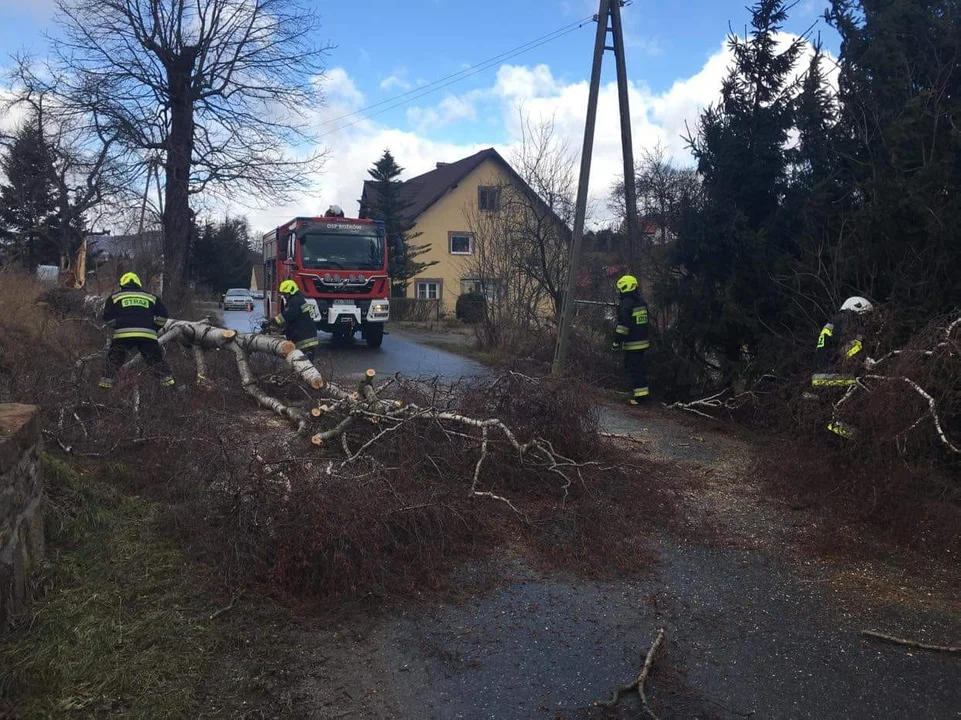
(122,620)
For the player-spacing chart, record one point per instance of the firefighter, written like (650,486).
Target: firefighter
(334,211)
(295,319)
(135,317)
(631,335)
(838,354)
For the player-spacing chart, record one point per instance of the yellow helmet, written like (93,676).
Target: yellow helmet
(128,278)
(288,287)
(627,283)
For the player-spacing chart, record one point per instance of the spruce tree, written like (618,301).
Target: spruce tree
(728,245)
(27,201)
(898,133)
(387,205)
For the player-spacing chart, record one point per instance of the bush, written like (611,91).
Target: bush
(471,307)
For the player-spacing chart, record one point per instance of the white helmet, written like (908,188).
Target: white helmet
(334,211)
(857,304)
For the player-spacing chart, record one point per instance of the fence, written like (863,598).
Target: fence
(413,310)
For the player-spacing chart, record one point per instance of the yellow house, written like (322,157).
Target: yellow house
(444,205)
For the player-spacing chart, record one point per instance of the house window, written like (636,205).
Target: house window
(487,288)
(489,198)
(461,243)
(428,289)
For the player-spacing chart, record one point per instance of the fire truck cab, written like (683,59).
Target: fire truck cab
(340,265)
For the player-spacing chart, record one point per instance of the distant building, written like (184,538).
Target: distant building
(440,201)
(124,247)
(109,256)
(256,277)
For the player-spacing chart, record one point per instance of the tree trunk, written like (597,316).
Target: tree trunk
(176,213)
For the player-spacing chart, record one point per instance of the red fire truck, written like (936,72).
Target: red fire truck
(340,265)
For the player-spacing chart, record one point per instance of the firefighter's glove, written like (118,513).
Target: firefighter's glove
(265,326)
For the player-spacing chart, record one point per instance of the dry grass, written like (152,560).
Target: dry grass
(257,501)
(120,625)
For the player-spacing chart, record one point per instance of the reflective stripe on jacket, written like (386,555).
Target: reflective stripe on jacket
(296,321)
(633,323)
(133,313)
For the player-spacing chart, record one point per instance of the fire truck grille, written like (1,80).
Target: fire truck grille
(343,288)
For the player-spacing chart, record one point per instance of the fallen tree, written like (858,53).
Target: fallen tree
(333,415)
(935,355)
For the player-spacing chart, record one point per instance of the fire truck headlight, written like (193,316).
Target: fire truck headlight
(327,278)
(379,307)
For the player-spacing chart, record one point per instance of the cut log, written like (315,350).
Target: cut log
(250,386)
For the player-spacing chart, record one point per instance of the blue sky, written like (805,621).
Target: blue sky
(384,47)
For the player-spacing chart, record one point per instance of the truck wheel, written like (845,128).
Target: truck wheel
(374,336)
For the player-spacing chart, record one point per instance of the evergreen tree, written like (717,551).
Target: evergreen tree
(220,256)
(388,206)
(27,204)
(898,134)
(728,245)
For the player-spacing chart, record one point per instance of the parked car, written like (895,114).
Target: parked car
(238,299)
(257,294)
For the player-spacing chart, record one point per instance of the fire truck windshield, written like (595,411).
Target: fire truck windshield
(343,250)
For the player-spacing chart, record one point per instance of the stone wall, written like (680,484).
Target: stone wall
(21,506)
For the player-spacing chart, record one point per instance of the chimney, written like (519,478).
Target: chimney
(442,164)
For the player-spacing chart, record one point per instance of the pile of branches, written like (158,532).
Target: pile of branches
(899,461)
(376,486)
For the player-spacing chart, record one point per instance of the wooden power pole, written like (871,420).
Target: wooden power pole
(608,21)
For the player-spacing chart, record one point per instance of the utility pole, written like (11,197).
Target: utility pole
(608,12)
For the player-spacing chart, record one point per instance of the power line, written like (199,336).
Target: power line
(439,84)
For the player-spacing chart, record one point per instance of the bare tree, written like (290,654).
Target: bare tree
(661,187)
(85,163)
(522,239)
(219,92)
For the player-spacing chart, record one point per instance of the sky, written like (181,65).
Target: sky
(676,60)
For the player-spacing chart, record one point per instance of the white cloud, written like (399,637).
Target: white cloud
(450,110)
(393,82)
(657,118)
(341,90)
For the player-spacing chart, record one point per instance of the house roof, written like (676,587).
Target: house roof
(121,245)
(425,190)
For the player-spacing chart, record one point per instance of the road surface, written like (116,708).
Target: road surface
(400,353)
(751,630)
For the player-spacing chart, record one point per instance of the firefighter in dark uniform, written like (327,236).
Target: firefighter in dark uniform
(135,317)
(838,354)
(632,336)
(295,320)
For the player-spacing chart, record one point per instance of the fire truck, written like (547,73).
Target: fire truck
(340,265)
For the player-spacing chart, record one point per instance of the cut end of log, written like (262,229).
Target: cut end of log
(230,333)
(354,396)
(317,440)
(286,347)
(370,372)
(318,383)
(316,412)
(398,404)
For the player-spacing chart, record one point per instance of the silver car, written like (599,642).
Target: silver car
(238,299)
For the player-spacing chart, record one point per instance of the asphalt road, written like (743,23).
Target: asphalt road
(400,353)
(750,633)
